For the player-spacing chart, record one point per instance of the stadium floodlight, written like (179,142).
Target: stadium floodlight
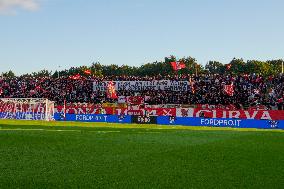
(26,109)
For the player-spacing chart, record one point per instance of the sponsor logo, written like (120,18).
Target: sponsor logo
(273,124)
(219,123)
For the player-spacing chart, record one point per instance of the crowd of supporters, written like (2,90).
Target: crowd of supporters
(249,90)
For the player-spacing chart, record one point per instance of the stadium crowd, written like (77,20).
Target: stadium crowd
(249,90)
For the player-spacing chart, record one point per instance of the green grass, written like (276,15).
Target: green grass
(88,155)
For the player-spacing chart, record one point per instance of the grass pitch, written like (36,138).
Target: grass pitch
(91,155)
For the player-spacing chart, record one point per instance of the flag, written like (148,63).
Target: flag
(177,65)
(88,72)
(229,66)
(229,89)
(75,77)
(111,93)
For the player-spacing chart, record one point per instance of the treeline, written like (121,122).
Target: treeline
(235,67)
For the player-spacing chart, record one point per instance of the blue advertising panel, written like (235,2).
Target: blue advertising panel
(22,115)
(93,118)
(218,122)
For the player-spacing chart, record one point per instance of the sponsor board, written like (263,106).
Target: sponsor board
(93,118)
(219,122)
(178,112)
(22,115)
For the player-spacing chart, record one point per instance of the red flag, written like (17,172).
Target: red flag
(229,89)
(177,65)
(111,93)
(88,72)
(229,66)
(75,77)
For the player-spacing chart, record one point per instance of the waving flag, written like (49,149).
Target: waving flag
(177,65)
(111,93)
(229,89)
(75,77)
(88,72)
(229,66)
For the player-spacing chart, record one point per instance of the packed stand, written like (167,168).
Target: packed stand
(249,90)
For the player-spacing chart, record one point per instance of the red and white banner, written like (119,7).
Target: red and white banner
(237,114)
(83,110)
(179,112)
(111,92)
(211,107)
(240,114)
(148,111)
(131,99)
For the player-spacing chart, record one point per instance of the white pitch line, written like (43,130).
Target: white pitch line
(104,131)
(148,132)
(21,129)
(40,130)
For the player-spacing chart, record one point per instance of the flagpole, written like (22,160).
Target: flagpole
(282,67)
(58,71)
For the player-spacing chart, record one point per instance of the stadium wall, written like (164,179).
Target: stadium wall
(172,120)
(178,112)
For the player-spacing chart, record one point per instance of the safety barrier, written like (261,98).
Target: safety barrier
(172,120)
(93,118)
(219,122)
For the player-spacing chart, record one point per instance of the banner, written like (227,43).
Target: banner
(241,114)
(147,111)
(236,114)
(218,122)
(93,118)
(223,107)
(84,110)
(172,120)
(131,99)
(178,112)
(165,85)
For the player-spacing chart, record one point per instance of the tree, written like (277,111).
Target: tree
(215,67)
(9,74)
(237,66)
(42,73)
(275,66)
(257,67)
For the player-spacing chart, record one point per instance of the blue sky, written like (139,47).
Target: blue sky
(46,34)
